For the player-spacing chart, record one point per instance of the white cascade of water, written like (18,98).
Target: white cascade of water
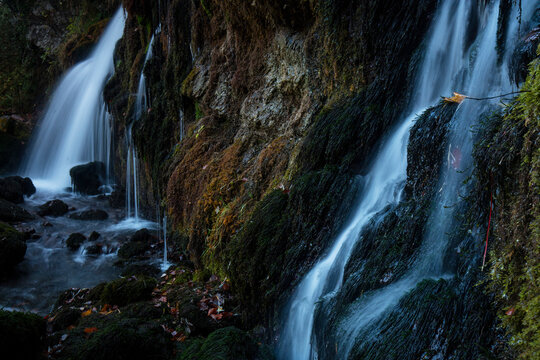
(165,265)
(181,125)
(76,126)
(141,100)
(131,178)
(141,105)
(446,67)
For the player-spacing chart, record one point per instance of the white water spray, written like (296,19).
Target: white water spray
(76,127)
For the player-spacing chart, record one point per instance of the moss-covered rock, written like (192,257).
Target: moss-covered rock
(12,247)
(22,335)
(128,290)
(225,344)
(118,339)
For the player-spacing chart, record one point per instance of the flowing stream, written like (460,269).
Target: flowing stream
(76,127)
(452,62)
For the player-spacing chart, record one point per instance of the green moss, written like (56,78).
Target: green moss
(22,335)
(12,247)
(198,115)
(224,344)
(22,71)
(128,290)
(118,339)
(509,159)
(205,8)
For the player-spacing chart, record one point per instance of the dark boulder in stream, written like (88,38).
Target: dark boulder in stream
(88,178)
(138,245)
(75,241)
(14,188)
(12,247)
(53,208)
(90,215)
(10,212)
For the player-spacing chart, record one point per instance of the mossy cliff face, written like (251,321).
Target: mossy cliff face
(282,104)
(509,166)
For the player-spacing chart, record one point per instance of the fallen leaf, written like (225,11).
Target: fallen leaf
(457,98)
(511,311)
(227,315)
(90,330)
(216,316)
(86,313)
(212,311)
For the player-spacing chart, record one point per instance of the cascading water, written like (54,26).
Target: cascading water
(76,127)
(131,179)
(141,105)
(141,101)
(447,66)
(165,265)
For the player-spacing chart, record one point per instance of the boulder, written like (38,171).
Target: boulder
(138,245)
(12,247)
(117,199)
(95,249)
(88,178)
(132,250)
(128,290)
(14,188)
(143,235)
(90,215)
(94,236)
(75,241)
(10,212)
(53,208)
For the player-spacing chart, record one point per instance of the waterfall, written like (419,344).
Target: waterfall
(141,101)
(181,125)
(450,63)
(165,265)
(141,105)
(131,178)
(76,126)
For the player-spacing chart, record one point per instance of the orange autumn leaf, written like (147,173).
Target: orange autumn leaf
(90,330)
(511,312)
(86,313)
(457,98)
(212,311)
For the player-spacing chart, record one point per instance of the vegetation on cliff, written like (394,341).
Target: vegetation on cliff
(509,163)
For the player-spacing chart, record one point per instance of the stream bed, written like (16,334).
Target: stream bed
(50,267)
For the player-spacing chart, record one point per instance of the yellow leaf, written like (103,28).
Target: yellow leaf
(457,98)
(86,313)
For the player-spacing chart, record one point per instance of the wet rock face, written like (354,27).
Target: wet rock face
(88,178)
(12,247)
(89,215)
(10,212)
(14,188)
(53,208)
